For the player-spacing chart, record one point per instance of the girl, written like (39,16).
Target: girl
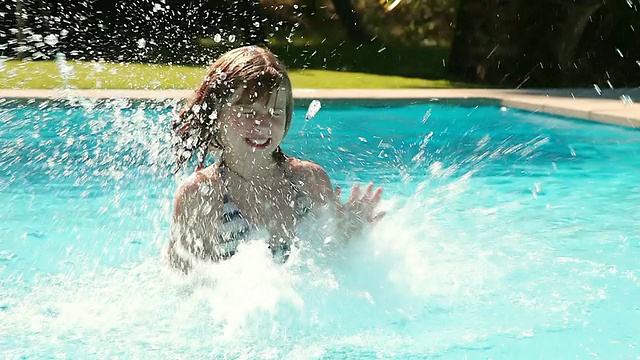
(243,110)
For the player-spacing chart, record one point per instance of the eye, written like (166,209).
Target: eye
(245,111)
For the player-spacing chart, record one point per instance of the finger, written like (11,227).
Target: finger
(368,191)
(355,194)
(372,200)
(377,196)
(338,198)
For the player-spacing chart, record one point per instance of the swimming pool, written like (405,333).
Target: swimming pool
(510,235)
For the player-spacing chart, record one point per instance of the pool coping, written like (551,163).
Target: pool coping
(611,106)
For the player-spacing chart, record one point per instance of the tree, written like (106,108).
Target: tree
(409,23)
(129,30)
(20,25)
(350,20)
(543,43)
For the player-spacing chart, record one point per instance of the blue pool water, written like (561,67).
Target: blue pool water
(509,235)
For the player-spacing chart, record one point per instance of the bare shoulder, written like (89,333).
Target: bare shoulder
(308,170)
(202,184)
(314,177)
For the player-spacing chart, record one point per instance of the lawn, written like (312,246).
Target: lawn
(105,75)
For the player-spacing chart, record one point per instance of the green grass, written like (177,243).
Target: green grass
(425,62)
(93,75)
(319,79)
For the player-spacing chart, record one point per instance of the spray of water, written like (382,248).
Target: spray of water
(421,282)
(85,279)
(313,109)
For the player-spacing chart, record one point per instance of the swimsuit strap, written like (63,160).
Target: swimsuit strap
(301,202)
(237,227)
(302,205)
(234,227)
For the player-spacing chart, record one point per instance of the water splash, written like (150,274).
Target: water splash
(313,109)
(65,70)
(413,279)
(626,99)
(465,259)
(51,39)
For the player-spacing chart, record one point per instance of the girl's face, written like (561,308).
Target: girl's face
(253,127)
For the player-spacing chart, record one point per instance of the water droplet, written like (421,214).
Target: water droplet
(232,38)
(217,38)
(6,256)
(206,208)
(51,39)
(66,71)
(626,99)
(313,109)
(35,38)
(597,88)
(426,116)
(142,43)
(97,67)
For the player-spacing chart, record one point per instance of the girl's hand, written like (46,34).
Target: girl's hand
(359,209)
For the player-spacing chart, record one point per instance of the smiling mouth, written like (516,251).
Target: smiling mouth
(258,143)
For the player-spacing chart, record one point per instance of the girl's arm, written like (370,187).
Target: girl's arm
(191,229)
(353,215)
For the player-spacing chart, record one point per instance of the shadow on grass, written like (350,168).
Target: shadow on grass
(417,62)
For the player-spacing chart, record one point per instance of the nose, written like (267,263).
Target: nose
(261,126)
(262,118)
(261,121)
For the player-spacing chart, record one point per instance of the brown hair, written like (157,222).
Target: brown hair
(195,129)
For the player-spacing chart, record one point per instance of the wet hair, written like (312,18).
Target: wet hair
(258,70)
